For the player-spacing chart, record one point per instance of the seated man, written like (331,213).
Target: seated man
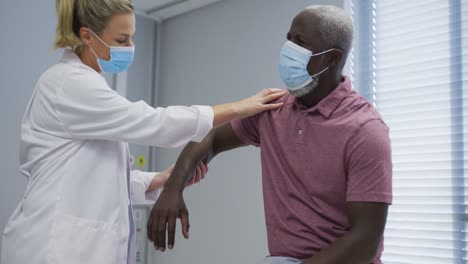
(326,157)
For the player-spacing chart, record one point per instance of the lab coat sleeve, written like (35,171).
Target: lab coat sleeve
(89,109)
(139,184)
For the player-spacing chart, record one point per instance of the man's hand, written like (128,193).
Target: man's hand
(169,206)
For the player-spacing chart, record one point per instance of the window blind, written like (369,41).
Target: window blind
(410,59)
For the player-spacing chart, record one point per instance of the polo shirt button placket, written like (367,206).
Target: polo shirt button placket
(300,130)
(300,137)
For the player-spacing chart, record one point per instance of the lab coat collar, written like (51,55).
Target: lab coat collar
(70,57)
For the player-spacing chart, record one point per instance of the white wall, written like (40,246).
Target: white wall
(28,29)
(217,54)
(140,75)
(26,51)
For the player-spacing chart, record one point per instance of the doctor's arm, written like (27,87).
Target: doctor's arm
(247,107)
(170,204)
(89,109)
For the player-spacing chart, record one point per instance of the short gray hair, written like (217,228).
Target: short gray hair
(335,26)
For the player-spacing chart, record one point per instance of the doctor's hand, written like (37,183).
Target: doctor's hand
(260,102)
(169,206)
(160,179)
(199,175)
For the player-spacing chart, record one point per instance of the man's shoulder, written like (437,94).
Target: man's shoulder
(356,115)
(358,110)
(287,101)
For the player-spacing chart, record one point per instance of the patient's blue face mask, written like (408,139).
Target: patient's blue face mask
(120,57)
(293,66)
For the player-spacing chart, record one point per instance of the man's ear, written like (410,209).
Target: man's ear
(335,57)
(85,35)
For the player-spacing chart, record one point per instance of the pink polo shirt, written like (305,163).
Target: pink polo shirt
(314,161)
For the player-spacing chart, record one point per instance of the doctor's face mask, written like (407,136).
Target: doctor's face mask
(120,57)
(293,69)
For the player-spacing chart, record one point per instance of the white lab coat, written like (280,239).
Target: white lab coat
(74,152)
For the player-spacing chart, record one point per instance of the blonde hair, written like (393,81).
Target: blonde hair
(94,14)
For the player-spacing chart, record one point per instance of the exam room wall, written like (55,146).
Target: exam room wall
(216,54)
(26,52)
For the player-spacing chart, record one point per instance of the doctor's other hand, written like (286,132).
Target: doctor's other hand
(160,179)
(199,175)
(163,217)
(260,102)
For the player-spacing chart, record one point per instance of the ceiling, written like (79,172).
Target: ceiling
(164,9)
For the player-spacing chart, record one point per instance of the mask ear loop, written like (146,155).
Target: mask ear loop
(320,53)
(317,74)
(92,50)
(98,38)
(323,52)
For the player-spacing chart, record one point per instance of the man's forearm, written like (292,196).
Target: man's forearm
(352,248)
(186,164)
(360,244)
(217,141)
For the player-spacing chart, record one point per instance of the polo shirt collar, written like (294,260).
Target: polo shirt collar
(329,104)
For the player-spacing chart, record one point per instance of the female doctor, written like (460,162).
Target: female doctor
(74,150)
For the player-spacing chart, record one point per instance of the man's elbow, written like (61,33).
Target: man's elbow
(371,251)
(367,247)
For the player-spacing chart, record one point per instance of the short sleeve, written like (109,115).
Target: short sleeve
(369,164)
(89,109)
(247,130)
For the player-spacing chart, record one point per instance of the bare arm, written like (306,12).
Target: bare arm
(369,176)
(360,244)
(170,204)
(219,140)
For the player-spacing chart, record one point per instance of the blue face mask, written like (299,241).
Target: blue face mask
(293,65)
(120,58)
